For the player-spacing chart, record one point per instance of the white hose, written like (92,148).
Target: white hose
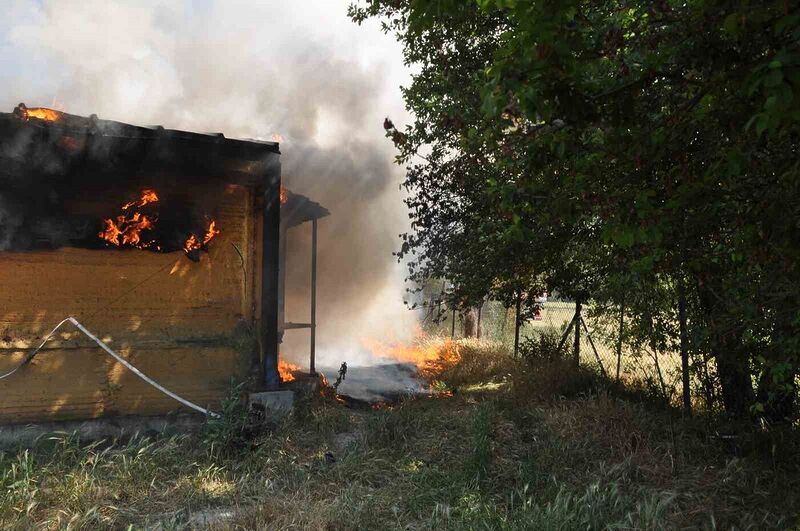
(116,356)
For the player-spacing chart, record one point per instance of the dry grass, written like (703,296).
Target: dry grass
(469,361)
(499,453)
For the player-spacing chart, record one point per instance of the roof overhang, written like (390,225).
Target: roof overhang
(29,144)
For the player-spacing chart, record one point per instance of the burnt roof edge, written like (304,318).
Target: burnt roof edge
(112,128)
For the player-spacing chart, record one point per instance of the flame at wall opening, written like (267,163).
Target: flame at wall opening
(148,196)
(193,243)
(133,228)
(125,230)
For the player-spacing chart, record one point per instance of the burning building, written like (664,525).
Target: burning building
(163,243)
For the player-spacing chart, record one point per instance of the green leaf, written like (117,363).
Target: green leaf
(731,24)
(762,123)
(773,78)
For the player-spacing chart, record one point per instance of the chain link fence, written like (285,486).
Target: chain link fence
(599,339)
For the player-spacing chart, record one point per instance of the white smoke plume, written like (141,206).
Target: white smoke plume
(300,69)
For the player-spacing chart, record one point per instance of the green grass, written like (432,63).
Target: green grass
(497,453)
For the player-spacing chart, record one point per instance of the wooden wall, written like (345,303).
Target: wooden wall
(182,323)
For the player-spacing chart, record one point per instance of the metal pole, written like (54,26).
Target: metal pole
(596,354)
(687,400)
(480,310)
(282,283)
(313,339)
(578,318)
(566,334)
(441,296)
(517,322)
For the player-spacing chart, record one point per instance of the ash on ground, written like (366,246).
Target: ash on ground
(379,383)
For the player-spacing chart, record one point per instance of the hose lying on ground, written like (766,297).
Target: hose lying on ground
(116,356)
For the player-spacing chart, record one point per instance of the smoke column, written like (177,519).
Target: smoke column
(299,69)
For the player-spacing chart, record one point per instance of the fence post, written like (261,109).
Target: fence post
(578,318)
(594,348)
(480,310)
(566,334)
(441,296)
(516,325)
(687,400)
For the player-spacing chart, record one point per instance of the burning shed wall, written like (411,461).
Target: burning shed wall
(190,322)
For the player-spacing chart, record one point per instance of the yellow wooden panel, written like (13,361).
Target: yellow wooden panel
(133,293)
(201,376)
(175,318)
(62,384)
(87,383)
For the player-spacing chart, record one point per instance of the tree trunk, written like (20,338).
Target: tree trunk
(471,323)
(684,342)
(735,382)
(733,363)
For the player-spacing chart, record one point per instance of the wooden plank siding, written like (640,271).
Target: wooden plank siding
(182,323)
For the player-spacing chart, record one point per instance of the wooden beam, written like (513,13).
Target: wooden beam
(270,245)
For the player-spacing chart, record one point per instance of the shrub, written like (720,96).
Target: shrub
(553,379)
(228,430)
(542,346)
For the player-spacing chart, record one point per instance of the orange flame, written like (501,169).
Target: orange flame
(285,370)
(430,355)
(126,229)
(193,243)
(284,195)
(210,232)
(43,113)
(148,196)
(132,235)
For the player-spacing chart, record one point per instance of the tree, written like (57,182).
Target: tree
(596,145)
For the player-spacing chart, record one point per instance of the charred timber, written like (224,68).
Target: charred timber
(270,281)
